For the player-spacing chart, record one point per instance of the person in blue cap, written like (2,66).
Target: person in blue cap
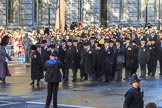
(134,96)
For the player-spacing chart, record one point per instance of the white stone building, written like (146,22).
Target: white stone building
(42,13)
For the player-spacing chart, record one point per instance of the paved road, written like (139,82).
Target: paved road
(17,93)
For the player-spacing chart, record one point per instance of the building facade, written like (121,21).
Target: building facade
(42,13)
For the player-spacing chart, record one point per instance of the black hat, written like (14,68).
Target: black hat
(52,46)
(134,78)
(33,47)
(53,54)
(93,38)
(75,40)
(5,40)
(99,45)
(143,39)
(63,40)
(118,41)
(106,40)
(44,41)
(69,40)
(134,41)
(152,39)
(86,43)
(111,41)
(114,37)
(96,41)
(127,38)
(83,36)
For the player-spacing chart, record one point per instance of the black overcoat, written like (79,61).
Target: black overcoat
(70,55)
(36,66)
(107,60)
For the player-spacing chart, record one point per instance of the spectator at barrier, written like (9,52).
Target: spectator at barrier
(151,105)
(26,45)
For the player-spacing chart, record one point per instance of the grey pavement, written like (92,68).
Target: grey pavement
(17,93)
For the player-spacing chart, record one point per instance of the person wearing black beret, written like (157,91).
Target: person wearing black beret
(3,56)
(119,61)
(143,57)
(134,96)
(61,55)
(98,67)
(135,49)
(45,52)
(36,66)
(128,58)
(152,63)
(92,42)
(88,59)
(52,50)
(69,60)
(160,55)
(107,55)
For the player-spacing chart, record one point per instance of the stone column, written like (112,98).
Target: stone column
(60,14)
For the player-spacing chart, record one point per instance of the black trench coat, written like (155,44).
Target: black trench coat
(36,66)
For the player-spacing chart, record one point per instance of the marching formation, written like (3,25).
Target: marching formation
(101,54)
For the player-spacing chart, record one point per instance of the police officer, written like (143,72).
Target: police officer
(134,96)
(52,77)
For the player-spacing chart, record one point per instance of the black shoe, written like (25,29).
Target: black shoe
(38,84)
(32,83)
(73,80)
(125,79)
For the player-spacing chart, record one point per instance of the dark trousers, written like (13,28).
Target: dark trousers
(52,90)
(67,74)
(143,70)
(160,61)
(63,72)
(83,73)
(127,73)
(27,55)
(134,70)
(152,68)
(118,75)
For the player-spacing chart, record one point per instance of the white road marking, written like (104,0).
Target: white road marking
(29,102)
(6,103)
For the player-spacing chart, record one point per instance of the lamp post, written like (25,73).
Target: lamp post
(146,3)
(49,13)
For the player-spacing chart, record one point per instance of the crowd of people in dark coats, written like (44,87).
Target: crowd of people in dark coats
(97,53)
(101,54)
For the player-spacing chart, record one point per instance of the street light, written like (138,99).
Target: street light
(146,3)
(49,15)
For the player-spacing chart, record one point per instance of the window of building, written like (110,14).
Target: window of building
(10,14)
(38,6)
(35,10)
